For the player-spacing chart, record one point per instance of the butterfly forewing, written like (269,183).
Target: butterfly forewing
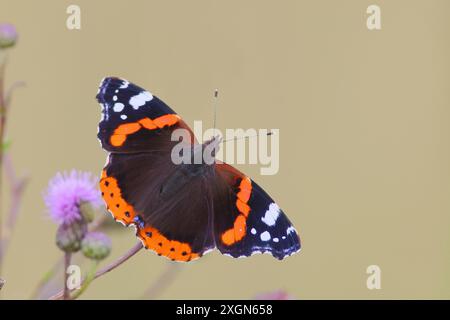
(133,119)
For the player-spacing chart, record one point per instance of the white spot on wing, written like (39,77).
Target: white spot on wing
(140,99)
(291,229)
(115,98)
(253,231)
(124,84)
(123,116)
(276,239)
(265,236)
(118,107)
(271,215)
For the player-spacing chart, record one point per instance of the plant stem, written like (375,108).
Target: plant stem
(2,130)
(135,249)
(17,190)
(89,278)
(66,291)
(57,265)
(5,98)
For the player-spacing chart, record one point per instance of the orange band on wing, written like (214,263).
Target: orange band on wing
(242,207)
(120,134)
(127,128)
(238,232)
(147,123)
(118,139)
(151,238)
(172,249)
(115,203)
(166,120)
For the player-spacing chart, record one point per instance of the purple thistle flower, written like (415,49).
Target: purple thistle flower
(8,35)
(65,193)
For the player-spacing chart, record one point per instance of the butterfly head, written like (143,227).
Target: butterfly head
(209,149)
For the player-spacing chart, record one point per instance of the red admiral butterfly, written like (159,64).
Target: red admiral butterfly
(180,211)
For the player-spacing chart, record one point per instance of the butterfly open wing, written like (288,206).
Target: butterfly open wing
(177,213)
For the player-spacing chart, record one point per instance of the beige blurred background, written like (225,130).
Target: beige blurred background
(364,125)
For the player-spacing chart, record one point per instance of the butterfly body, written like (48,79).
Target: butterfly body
(180,210)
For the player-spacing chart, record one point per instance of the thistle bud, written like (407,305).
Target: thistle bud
(70,235)
(8,35)
(96,246)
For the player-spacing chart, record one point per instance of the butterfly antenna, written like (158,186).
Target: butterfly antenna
(246,137)
(216,96)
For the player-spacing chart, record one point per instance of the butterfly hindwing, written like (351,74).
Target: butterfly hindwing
(175,224)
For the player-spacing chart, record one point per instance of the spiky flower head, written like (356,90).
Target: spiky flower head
(67,192)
